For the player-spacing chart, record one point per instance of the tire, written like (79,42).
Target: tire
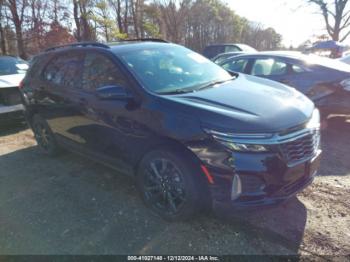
(44,137)
(167,184)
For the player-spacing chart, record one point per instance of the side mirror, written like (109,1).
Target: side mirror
(112,92)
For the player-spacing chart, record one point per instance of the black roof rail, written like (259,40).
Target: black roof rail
(77,44)
(145,40)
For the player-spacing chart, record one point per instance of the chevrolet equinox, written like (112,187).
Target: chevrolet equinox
(192,134)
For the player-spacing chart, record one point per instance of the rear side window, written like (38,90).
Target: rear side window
(65,70)
(100,71)
(269,67)
(236,65)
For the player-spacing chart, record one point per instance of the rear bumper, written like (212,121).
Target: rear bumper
(10,114)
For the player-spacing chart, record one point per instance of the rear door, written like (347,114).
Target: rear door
(55,103)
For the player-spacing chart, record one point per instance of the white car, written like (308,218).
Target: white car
(12,71)
(345,59)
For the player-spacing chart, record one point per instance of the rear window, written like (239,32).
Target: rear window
(12,65)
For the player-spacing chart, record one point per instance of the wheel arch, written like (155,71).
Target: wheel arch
(175,146)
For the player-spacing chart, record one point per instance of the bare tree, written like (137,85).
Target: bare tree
(336,16)
(2,31)
(17,8)
(117,8)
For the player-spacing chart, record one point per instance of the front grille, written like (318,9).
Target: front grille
(302,148)
(10,96)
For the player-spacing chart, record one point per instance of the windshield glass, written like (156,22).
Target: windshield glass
(12,65)
(173,69)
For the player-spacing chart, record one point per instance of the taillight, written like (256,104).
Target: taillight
(21,84)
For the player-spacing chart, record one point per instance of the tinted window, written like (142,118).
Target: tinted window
(269,67)
(100,71)
(212,51)
(12,65)
(172,68)
(236,65)
(65,70)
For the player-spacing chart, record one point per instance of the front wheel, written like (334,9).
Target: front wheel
(167,185)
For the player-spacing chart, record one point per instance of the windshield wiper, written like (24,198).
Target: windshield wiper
(195,88)
(176,92)
(213,83)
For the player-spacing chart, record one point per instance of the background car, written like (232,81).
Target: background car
(325,81)
(345,59)
(12,71)
(221,57)
(213,50)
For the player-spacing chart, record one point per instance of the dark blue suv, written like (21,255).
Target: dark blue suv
(192,134)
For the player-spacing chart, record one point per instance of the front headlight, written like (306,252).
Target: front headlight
(346,84)
(240,142)
(314,122)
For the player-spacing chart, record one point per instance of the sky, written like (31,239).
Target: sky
(293,19)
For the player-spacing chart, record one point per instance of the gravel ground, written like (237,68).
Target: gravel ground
(70,205)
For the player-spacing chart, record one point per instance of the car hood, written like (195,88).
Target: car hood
(10,80)
(247,104)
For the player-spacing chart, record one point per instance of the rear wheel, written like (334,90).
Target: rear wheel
(44,136)
(167,185)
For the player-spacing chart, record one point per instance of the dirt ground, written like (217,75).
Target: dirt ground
(70,205)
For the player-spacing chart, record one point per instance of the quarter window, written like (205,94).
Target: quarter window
(297,69)
(269,67)
(100,71)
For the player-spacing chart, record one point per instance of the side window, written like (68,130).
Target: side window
(269,67)
(65,70)
(231,48)
(236,65)
(297,69)
(100,71)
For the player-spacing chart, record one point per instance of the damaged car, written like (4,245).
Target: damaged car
(325,81)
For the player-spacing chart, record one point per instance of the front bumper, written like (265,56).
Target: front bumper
(269,187)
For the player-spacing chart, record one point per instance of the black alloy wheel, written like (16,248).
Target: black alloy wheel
(167,184)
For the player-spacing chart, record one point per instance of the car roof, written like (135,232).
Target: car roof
(126,46)
(115,47)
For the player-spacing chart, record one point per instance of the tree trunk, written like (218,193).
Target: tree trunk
(18,27)
(76,19)
(2,40)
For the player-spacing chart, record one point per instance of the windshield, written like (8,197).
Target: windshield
(173,69)
(12,65)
